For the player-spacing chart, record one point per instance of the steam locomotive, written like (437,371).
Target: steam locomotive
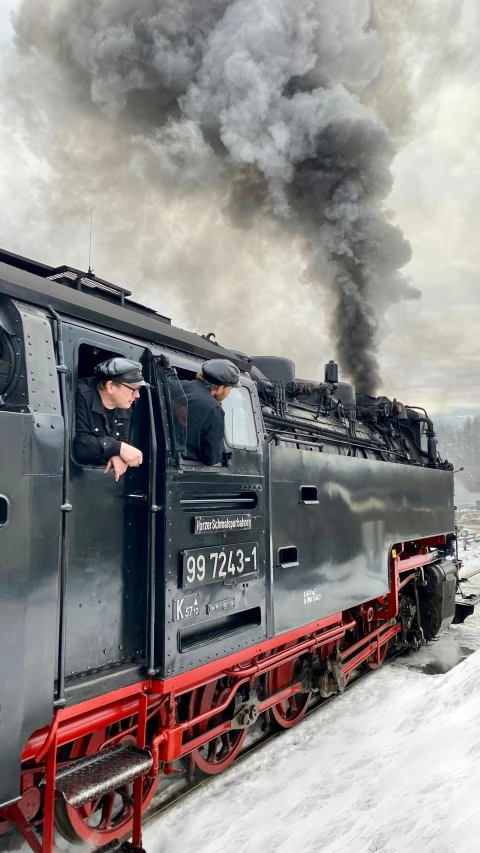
(156,619)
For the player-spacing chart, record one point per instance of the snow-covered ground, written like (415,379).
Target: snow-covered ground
(392,766)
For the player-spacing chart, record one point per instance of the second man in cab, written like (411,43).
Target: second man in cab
(206,417)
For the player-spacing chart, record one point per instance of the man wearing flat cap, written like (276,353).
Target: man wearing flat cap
(103,411)
(206,417)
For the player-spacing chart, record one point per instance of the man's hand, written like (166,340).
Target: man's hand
(118,466)
(130,455)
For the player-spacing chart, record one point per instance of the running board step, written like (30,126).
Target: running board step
(91,777)
(465,607)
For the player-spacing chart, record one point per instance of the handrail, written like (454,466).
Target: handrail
(152,533)
(66,508)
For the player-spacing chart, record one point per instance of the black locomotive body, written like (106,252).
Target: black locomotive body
(157,617)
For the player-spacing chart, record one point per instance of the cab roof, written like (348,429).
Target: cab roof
(85,296)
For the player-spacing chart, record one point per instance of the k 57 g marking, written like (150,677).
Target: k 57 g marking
(186,607)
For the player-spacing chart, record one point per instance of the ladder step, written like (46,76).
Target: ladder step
(91,777)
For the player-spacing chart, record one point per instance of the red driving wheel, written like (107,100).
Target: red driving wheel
(217,754)
(110,816)
(290,711)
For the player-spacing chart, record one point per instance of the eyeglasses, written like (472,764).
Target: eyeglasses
(133,389)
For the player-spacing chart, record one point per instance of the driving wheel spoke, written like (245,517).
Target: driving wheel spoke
(125,794)
(91,808)
(107,811)
(212,750)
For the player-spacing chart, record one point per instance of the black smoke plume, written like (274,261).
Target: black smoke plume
(260,102)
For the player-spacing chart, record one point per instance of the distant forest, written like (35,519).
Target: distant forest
(459,442)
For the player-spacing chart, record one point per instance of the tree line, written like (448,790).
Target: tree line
(459,442)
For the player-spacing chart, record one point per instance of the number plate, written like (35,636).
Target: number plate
(217,564)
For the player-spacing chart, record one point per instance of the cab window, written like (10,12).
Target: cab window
(179,410)
(88,356)
(239,419)
(7,361)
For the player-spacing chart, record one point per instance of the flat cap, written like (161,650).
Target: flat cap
(219,371)
(121,368)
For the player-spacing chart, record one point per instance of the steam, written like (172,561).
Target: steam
(255,108)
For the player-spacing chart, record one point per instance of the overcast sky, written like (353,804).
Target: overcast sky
(429,354)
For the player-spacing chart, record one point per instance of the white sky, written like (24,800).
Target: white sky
(429,354)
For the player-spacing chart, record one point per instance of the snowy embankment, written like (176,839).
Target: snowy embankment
(392,766)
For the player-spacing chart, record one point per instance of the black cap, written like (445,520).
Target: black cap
(123,369)
(219,371)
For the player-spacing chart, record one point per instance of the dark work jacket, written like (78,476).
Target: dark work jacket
(205,424)
(98,431)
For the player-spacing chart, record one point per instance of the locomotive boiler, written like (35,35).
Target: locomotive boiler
(152,621)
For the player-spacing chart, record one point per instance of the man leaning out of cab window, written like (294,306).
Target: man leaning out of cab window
(103,414)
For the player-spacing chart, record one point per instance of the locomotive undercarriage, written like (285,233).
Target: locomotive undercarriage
(200,720)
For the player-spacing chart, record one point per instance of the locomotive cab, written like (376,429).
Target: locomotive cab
(162,582)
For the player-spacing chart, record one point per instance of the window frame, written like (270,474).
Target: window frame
(84,341)
(249,447)
(162,377)
(15,364)
(190,363)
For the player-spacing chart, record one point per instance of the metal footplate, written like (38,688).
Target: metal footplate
(91,777)
(465,607)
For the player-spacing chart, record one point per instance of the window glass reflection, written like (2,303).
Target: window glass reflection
(239,420)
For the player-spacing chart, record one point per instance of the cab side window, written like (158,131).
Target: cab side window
(7,361)
(88,356)
(179,411)
(239,419)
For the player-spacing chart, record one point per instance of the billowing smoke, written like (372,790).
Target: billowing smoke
(255,108)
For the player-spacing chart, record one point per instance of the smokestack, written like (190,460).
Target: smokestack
(257,101)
